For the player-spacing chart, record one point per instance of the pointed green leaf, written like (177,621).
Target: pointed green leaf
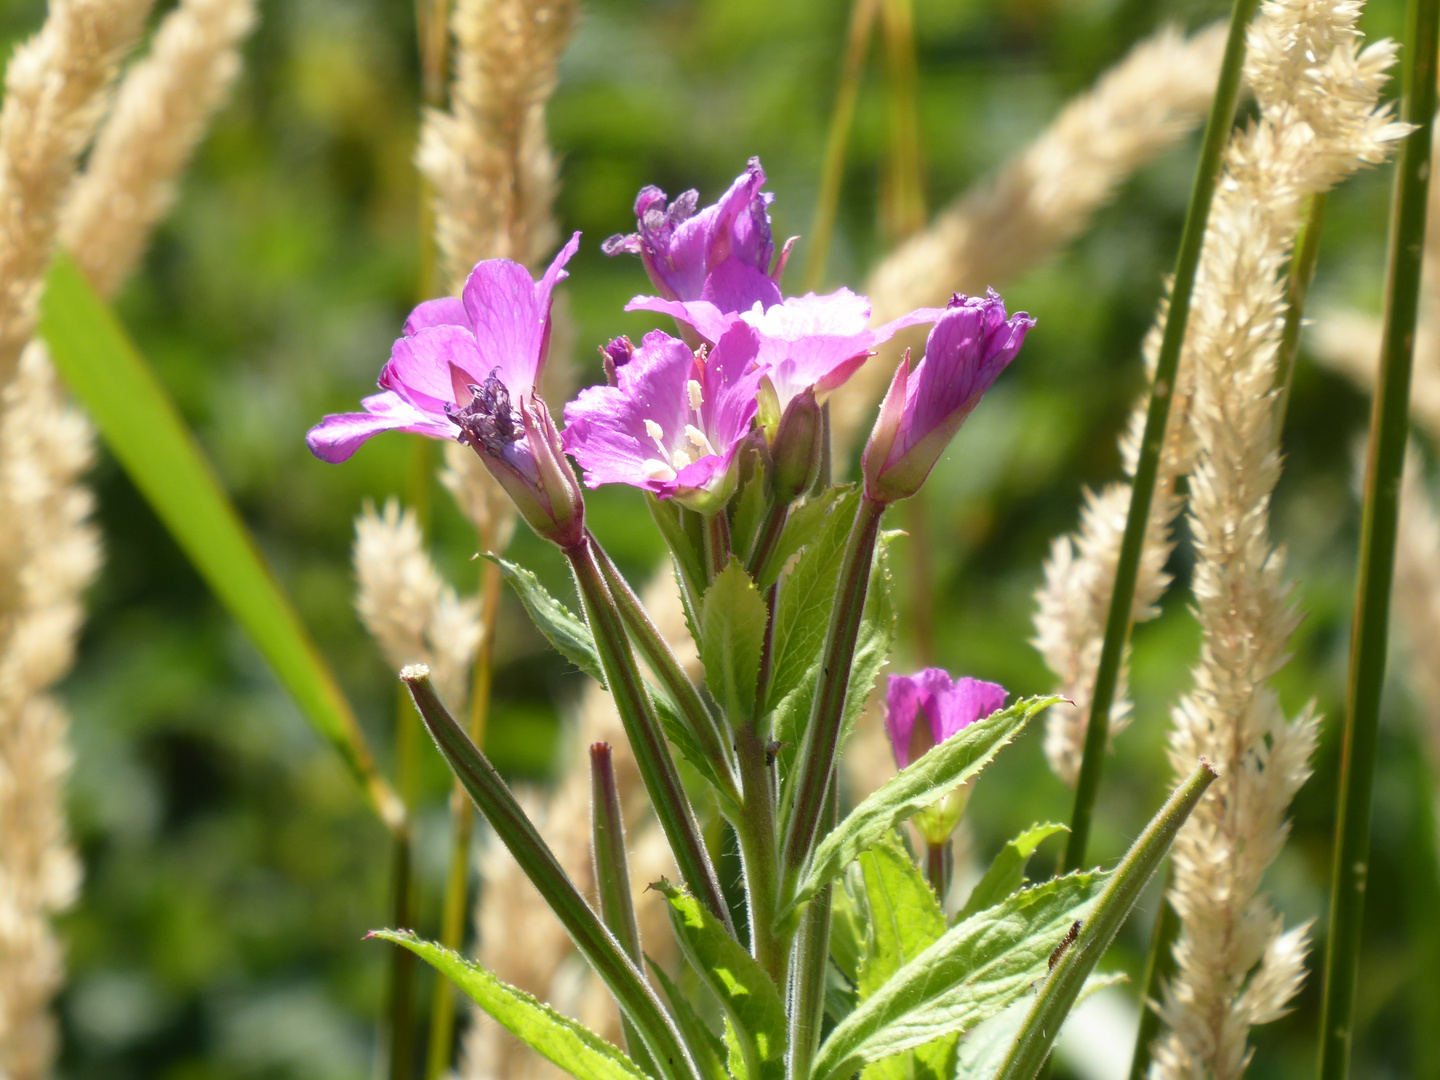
(562,628)
(849,925)
(707,1048)
(571,1046)
(106,373)
(984,1048)
(732,633)
(750,506)
(978,968)
(802,526)
(751,1002)
(944,768)
(1007,872)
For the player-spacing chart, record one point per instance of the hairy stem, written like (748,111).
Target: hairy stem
(812,953)
(1159,964)
(1389,431)
(1152,442)
(755,831)
(771,529)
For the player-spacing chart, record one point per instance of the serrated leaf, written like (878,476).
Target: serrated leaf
(564,630)
(849,926)
(942,769)
(732,634)
(977,969)
(801,527)
(905,920)
(707,1048)
(748,997)
(143,429)
(840,995)
(750,506)
(1007,871)
(571,1046)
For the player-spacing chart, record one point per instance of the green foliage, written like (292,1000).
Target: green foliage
(571,1046)
(749,509)
(755,1015)
(706,1047)
(1007,871)
(562,628)
(732,634)
(905,920)
(802,526)
(944,768)
(975,970)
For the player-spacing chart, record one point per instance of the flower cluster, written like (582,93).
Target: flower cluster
(749,364)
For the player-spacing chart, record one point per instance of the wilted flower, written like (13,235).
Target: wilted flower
(681,248)
(468,369)
(971,343)
(674,421)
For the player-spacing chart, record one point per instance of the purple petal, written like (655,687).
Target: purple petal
(734,286)
(967,701)
(339,435)
(500,300)
(446,311)
(707,319)
(730,385)
(554,274)
(902,704)
(420,367)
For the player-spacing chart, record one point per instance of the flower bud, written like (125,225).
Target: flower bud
(798,448)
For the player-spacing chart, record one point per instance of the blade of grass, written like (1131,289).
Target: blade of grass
(1389,432)
(140,424)
(903,188)
(1187,261)
(1158,967)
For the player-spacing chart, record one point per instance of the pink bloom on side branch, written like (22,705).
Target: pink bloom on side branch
(467,369)
(673,423)
(925,709)
(970,345)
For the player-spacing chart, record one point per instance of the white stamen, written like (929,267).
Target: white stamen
(657,470)
(696,397)
(654,430)
(698,439)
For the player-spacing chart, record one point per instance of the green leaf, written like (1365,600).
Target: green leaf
(984,1048)
(562,628)
(1007,872)
(707,1048)
(571,1046)
(978,968)
(905,920)
(849,925)
(944,768)
(143,429)
(750,1000)
(802,526)
(750,506)
(732,633)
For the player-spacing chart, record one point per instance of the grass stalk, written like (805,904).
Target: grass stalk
(1389,432)
(1187,261)
(1302,273)
(903,189)
(1158,966)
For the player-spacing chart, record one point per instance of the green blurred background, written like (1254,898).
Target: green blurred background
(230,866)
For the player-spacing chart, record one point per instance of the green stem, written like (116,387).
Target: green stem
(815,761)
(669,518)
(400,1044)
(1302,273)
(862,18)
(771,529)
(642,728)
(755,831)
(594,942)
(812,954)
(1159,965)
(937,870)
(1122,597)
(1068,973)
(827,452)
(612,877)
(711,733)
(717,544)
(1389,431)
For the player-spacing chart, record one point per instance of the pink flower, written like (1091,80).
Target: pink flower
(674,420)
(681,248)
(971,343)
(926,708)
(468,369)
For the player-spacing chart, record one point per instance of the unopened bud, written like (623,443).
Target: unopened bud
(798,447)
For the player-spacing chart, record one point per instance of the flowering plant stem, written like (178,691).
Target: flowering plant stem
(755,831)
(1127,569)
(1159,965)
(595,943)
(717,543)
(1389,431)
(1070,969)
(812,953)
(815,761)
(771,529)
(663,662)
(642,729)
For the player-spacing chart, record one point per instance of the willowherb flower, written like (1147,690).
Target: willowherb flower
(970,345)
(927,708)
(468,369)
(681,248)
(673,422)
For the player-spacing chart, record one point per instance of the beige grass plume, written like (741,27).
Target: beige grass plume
(49,551)
(1042,199)
(1319,121)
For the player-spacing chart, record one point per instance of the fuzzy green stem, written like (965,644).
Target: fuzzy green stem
(669,518)
(612,877)
(1302,273)
(1069,971)
(712,734)
(815,761)
(937,869)
(755,831)
(1127,569)
(594,942)
(771,529)
(812,953)
(642,729)
(832,172)
(1389,432)
(717,544)
(1159,965)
